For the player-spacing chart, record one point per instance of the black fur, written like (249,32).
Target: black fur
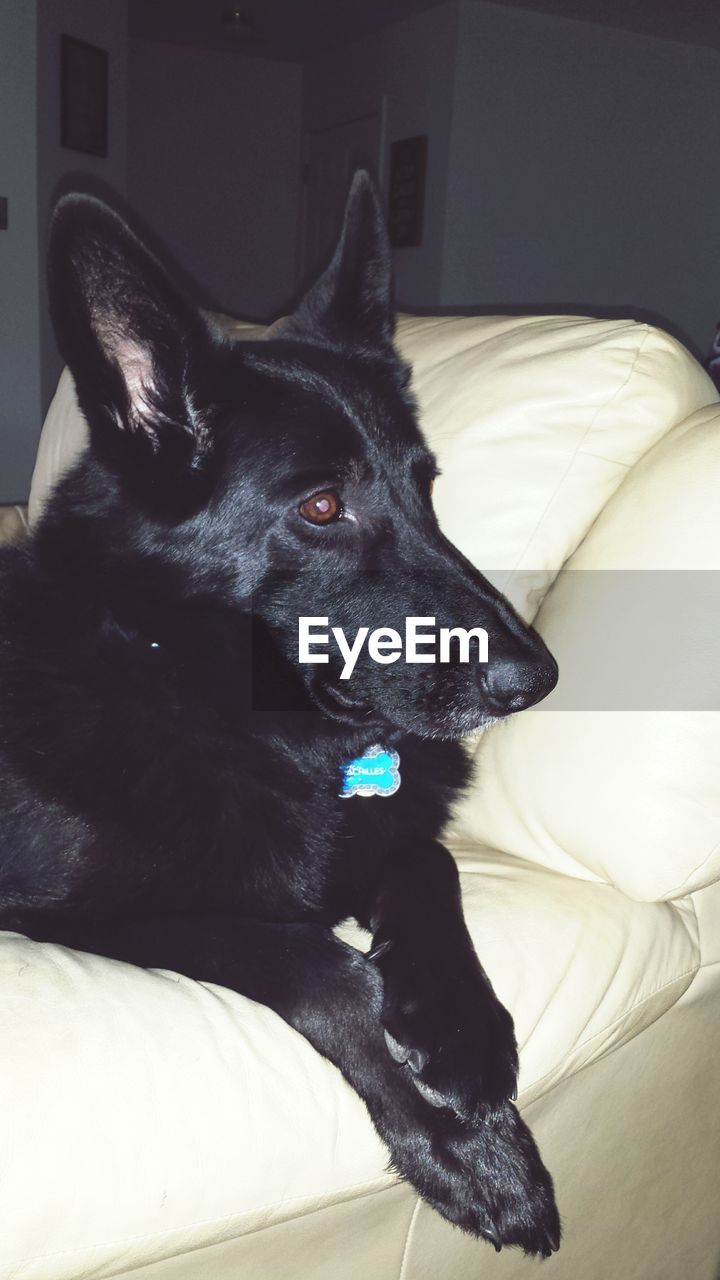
(170,773)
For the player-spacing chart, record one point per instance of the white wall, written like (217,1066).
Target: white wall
(214,147)
(583,170)
(412,63)
(20,407)
(103,23)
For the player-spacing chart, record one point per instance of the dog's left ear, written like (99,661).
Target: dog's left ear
(351,303)
(130,340)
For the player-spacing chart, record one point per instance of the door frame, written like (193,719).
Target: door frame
(380,112)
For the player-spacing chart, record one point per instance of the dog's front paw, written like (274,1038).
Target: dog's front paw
(487,1177)
(448,1028)
(516,1200)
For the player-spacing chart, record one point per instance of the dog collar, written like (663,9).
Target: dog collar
(376,773)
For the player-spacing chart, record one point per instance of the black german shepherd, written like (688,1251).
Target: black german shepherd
(170,772)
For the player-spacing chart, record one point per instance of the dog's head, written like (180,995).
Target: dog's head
(287,476)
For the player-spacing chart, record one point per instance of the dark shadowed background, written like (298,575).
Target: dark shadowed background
(571,159)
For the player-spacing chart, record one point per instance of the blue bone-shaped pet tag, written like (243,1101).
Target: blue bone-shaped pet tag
(377,773)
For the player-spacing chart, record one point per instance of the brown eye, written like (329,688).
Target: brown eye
(321,508)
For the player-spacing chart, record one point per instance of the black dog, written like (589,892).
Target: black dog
(170,772)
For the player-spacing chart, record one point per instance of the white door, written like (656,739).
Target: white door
(331,157)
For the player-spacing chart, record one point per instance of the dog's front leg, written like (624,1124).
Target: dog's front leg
(441,1016)
(486,1178)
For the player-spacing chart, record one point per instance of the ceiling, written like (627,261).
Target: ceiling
(298,29)
(294,29)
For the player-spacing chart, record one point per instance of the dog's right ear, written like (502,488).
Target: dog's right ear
(351,303)
(129,339)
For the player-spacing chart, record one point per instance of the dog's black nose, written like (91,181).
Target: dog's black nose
(512,684)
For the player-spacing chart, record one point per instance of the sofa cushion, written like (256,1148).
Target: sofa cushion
(536,421)
(151,1115)
(629,795)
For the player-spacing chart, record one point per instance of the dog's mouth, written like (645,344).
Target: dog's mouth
(340,706)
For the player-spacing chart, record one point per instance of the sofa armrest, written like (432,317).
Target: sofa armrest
(629,797)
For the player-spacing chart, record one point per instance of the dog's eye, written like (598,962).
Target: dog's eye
(321,508)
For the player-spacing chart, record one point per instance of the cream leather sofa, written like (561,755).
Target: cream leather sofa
(156,1128)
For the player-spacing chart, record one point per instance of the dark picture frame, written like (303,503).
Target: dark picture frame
(406,202)
(83,97)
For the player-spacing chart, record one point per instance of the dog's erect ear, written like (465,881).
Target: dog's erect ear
(351,303)
(128,336)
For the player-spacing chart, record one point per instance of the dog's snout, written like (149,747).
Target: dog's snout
(513,684)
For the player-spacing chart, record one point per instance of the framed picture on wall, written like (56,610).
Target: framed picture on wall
(83,97)
(406,203)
